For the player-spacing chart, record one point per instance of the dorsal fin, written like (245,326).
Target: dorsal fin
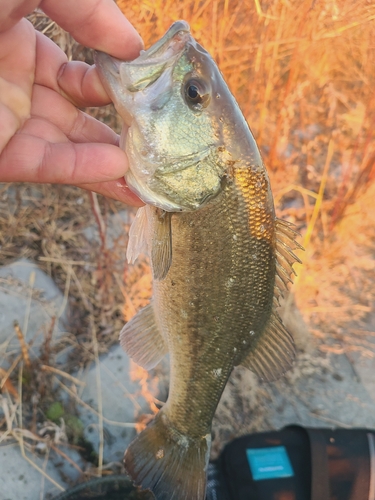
(161,244)
(285,258)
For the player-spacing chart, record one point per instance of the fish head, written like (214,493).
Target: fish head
(178,117)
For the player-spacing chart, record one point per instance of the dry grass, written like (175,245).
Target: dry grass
(303,73)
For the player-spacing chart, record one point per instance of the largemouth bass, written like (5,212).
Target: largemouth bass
(220,258)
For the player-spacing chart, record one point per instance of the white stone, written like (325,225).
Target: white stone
(324,398)
(117,226)
(30,297)
(19,480)
(121,401)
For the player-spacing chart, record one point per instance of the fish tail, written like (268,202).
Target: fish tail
(172,465)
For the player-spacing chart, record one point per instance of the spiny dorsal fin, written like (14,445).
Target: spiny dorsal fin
(274,352)
(138,236)
(142,339)
(161,251)
(285,258)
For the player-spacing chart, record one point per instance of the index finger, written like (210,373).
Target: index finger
(98,24)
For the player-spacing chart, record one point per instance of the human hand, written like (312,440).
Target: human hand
(43,136)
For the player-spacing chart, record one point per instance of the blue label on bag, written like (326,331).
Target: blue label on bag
(269,463)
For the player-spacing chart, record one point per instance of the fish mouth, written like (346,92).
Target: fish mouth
(172,43)
(123,77)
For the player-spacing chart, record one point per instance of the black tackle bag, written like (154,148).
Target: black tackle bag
(296,463)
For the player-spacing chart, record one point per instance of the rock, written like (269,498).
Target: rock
(364,366)
(30,297)
(121,401)
(327,396)
(65,467)
(117,226)
(322,390)
(20,480)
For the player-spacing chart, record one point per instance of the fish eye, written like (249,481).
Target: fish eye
(196,94)
(193,93)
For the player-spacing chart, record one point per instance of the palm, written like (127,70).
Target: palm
(15,82)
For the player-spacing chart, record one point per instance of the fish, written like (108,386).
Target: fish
(220,257)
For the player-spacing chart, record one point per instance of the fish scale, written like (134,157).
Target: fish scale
(195,241)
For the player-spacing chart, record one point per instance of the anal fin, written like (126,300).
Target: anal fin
(274,352)
(142,339)
(161,249)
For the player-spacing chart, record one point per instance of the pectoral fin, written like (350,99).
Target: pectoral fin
(161,250)
(138,236)
(142,339)
(274,352)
